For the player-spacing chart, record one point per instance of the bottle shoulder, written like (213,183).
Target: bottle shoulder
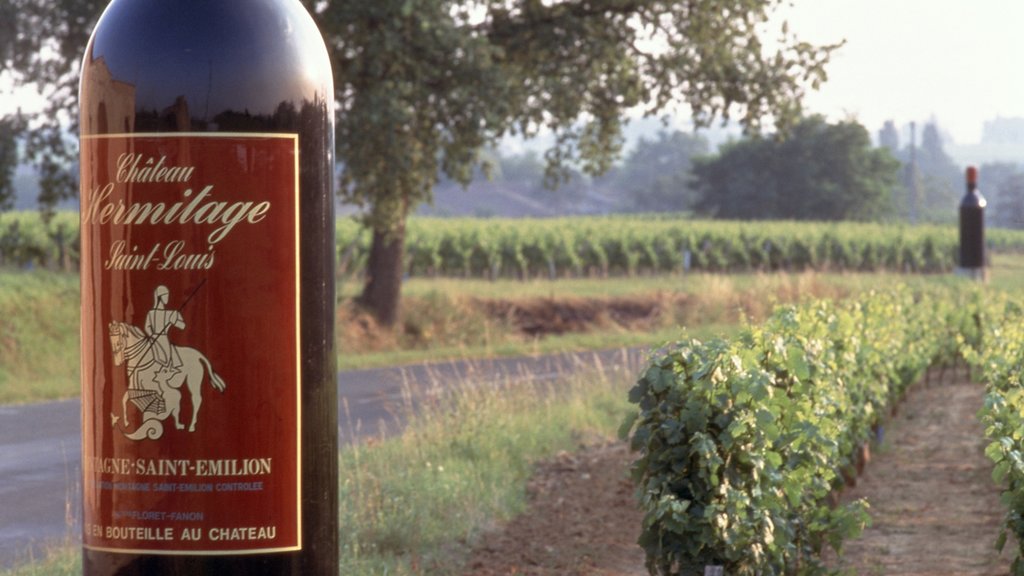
(973,199)
(205,61)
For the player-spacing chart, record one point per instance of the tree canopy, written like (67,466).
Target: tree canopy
(423,85)
(41,46)
(821,171)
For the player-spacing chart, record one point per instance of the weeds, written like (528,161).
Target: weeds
(413,504)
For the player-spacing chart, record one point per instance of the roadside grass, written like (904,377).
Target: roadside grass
(64,560)
(554,344)
(413,504)
(1007,272)
(443,319)
(39,335)
(598,287)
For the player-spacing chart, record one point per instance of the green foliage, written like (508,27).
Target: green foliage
(62,560)
(410,504)
(817,171)
(10,127)
(28,240)
(575,246)
(742,441)
(39,336)
(423,85)
(995,350)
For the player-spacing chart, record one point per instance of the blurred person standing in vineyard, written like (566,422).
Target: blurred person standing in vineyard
(423,85)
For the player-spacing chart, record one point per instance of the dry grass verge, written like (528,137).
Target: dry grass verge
(464,321)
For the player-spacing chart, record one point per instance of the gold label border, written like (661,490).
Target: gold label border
(298,343)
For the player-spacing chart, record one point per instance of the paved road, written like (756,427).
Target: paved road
(40,458)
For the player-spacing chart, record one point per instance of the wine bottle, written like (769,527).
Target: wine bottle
(209,394)
(972,225)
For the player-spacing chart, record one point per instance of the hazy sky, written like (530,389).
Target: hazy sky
(958,61)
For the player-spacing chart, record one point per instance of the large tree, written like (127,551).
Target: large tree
(820,171)
(423,85)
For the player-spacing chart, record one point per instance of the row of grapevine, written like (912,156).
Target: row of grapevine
(27,241)
(997,357)
(581,246)
(742,442)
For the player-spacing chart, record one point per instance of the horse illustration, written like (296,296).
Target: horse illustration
(153,388)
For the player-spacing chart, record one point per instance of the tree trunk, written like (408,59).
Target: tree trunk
(383,289)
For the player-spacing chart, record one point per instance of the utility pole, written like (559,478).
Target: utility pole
(911,175)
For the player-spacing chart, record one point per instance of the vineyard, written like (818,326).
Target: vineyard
(745,444)
(631,245)
(26,241)
(586,246)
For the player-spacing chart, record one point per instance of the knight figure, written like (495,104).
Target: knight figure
(159,321)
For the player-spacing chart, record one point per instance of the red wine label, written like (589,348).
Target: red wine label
(190,343)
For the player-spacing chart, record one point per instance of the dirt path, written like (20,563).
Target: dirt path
(583,521)
(934,506)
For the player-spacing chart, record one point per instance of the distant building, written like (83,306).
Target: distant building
(1002,140)
(1003,131)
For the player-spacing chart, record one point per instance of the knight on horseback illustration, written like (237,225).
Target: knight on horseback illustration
(157,368)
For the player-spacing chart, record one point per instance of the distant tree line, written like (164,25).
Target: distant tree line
(655,175)
(815,171)
(1002,184)
(933,184)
